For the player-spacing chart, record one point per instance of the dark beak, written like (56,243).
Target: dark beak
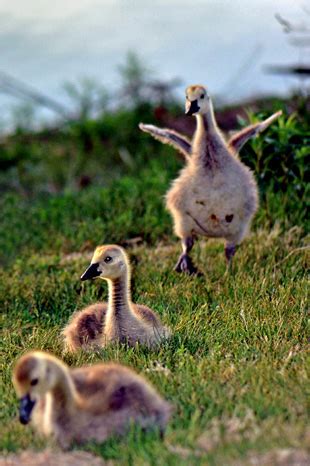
(26,406)
(91,272)
(193,108)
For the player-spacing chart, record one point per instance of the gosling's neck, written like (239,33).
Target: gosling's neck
(206,123)
(208,141)
(65,399)
(119,304)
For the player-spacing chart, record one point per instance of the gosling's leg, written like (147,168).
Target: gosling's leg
(230,250)
(185,263)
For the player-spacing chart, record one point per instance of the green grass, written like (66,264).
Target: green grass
(235,368)
(238,349)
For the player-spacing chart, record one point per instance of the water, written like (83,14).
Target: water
(221,43)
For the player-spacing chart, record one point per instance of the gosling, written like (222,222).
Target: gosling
(119,320)
(215,194)
(87,403)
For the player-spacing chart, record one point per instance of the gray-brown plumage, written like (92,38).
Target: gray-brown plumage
(118,320)
(215,194)
(87,403)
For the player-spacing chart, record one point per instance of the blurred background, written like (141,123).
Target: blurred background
(229,46)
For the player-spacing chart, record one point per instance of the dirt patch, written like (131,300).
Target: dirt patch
(229,430)
(279,457)
(50,458)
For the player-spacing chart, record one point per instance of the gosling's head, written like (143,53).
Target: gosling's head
(197,100)
(108,262)
(33,376)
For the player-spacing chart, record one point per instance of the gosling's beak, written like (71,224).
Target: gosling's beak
(91,272)
(191,107)
(26,406)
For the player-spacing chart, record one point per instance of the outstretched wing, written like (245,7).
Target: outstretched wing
(168,136)
(241,137)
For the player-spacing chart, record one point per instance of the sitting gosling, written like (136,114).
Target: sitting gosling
(119,319)
(87,403)
(215,194)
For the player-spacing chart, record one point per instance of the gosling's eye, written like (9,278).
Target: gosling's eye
(202,96)
(187,97)
(34,382)
(108,259)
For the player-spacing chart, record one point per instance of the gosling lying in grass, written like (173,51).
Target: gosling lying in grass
(87,403)
(216,194)
(118,320)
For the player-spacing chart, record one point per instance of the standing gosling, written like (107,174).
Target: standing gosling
(119,319)
(87,403)
(215,194)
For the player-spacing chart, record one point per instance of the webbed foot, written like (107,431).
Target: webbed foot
(185,265)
